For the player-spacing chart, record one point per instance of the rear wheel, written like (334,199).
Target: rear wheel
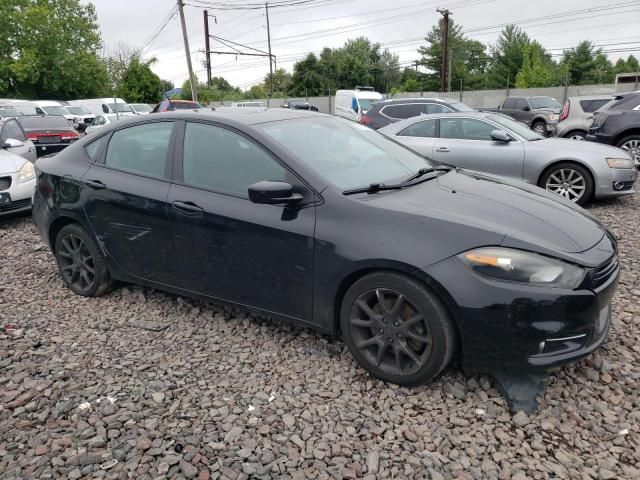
(569,180)
(631,144)
(397,329)
(540,128)
(576,135)
(81,263)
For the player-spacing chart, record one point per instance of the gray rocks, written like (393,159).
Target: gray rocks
(221,394)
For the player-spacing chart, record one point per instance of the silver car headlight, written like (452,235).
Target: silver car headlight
(26,172)
(620,162)
(522,267)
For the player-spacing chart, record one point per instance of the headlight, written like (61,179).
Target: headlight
(27,172)
(522,267)
(552,116)
(620,162)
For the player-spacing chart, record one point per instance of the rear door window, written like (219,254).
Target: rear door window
(590,106)
(437,108)
(425,129)
(140,149)
(404,111)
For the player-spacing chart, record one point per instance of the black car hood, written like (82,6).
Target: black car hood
(526,216)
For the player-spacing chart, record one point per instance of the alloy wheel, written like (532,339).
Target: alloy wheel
(633,147)
(568,183)
(540,129)
(390,331)
(76,262)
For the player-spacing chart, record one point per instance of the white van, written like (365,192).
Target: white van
(99,106)
(352,104)
(51,107)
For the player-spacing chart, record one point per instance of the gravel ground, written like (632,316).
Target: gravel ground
(175,388)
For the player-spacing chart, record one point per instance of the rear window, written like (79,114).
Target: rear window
(628,102)
(34,123)
(186,105)
(590,106)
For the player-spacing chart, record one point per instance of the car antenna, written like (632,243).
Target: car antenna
(169,100)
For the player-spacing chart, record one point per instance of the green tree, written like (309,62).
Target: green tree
(587,64)
(49,50)
(139,83)
(468,57)
(256,92)
(166,85)
(507,57)
(281,82)
(535,71)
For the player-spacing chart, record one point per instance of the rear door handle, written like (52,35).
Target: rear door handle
(189,208)
(95,184)
(442,149)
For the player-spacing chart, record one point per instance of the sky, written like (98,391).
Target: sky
(399,25)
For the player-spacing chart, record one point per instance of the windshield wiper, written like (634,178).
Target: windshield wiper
(424,171)
(380,187)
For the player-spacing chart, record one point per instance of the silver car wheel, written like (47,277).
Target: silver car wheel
(540,129)
(633,147)
(567,183)
(577,136)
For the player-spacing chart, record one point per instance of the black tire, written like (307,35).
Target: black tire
(631,144)
(555,172)
(540,128)
(576,135)
(76,251)
(403,337)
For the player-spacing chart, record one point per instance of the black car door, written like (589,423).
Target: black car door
(125,197)
(228,247)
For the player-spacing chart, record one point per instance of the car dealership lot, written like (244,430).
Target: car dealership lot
(176,388)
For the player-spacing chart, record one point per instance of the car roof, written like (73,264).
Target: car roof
(231,115)
(390,101)
(609,96)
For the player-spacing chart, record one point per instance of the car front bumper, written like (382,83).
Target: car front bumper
(615,182)
(514,328)
(20,195)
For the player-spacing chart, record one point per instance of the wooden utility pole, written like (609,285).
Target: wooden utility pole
(266,7)
(445,47)
(192,78)
(207,50)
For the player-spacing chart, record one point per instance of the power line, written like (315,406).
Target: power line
(160,28)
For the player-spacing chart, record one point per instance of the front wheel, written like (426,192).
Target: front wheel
(631,144)
(576,135)
(540,128)
(569,180)
(397,329)
(81,263)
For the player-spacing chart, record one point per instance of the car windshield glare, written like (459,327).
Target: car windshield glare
(78,110)
(141,107)
(544,102)
(121,107)
(53,110)
(346,154)
(515,127)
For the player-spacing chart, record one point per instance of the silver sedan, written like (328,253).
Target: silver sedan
(496,144)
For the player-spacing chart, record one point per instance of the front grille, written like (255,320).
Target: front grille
(16,205)
(603,273)
(5,183)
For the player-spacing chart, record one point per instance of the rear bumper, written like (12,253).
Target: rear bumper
(48,148)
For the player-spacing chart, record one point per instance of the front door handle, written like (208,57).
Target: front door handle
(442,149)
(95,184)
(189,208)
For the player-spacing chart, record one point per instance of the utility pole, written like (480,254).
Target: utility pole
(207,50)
(266,7)
(192,78)
(445,47)
(449,76)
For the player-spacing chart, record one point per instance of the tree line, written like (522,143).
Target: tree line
(53,49)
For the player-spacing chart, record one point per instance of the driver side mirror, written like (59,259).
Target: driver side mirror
(273,193)
(12,143)
(526,108)
(500,136)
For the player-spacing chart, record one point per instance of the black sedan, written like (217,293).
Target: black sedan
(49,133)
(313,219)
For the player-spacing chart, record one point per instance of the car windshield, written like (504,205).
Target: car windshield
(122,107)
(55,110)
(78,110)
(141,107)
(365,103)
(346,154)
(516,127)
(37,123)
(461,107)
(9,112)
(544,102)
